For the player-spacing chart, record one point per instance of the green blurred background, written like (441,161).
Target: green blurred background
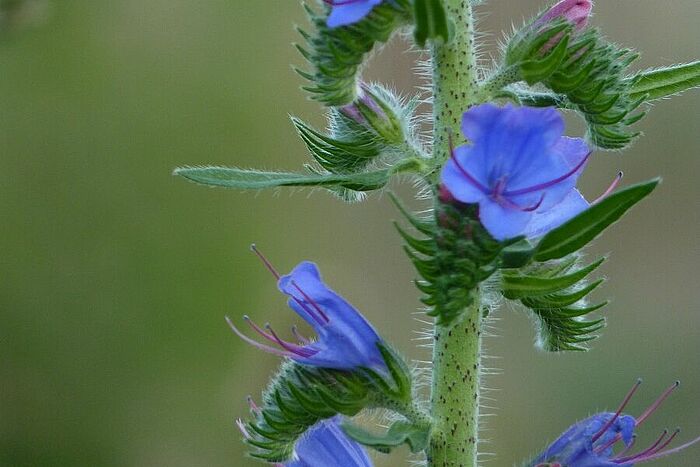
(116,276)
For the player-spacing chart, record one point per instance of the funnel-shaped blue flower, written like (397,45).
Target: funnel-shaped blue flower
(345,340)
(592,442)
(325,444)
(518,168)
(346,12)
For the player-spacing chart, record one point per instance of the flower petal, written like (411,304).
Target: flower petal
(325,444)
(502,222)
(543,221)
(350,12)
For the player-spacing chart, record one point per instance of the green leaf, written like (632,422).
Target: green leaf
(231,177)
(431,21)
(401,432)
(582,229)
(516,286)
(663,82)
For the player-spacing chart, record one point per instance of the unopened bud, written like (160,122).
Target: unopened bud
(370,111)
(574,11)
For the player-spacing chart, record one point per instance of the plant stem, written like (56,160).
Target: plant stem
(457,347)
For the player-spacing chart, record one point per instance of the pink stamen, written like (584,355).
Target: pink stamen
(257,344)
(609,444)
(312,302)
(545,185)
(466,174)
(668,452)
(624,403)
(650,450)
(258,329)
(265,261)
(296,349)
(627,448)
(610,189)
(656,404)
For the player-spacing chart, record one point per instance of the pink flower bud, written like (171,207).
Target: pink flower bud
(574,11)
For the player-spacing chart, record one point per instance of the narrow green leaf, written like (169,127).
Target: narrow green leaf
(231,177)
(582,229)
(663,82)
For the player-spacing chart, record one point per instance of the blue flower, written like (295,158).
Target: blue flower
(518,168)
(325,444)
(592,442)
(345,340)
(345,12)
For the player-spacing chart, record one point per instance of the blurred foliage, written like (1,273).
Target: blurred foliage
(116,276)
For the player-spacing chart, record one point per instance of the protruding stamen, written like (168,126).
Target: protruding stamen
(656,404)
(257,344)
(624,403)
(610,189)
(668,452)
(542,186)
(650,450)
(466,174)
(295,349)
(265,261)
(312,302)
(627,448)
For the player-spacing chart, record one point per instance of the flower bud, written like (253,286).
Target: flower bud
(372,112)
(573,11)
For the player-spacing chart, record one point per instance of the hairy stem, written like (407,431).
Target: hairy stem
(456,352)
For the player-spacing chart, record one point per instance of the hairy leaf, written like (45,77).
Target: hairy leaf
(658,83)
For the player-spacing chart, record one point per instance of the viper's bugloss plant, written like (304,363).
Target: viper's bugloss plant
(505,222)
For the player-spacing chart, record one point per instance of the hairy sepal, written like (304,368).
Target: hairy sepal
(586,74)
(556,295)
(336,55)
(453,257)
(299,396)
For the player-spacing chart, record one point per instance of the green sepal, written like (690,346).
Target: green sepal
(416,436)
(584,72)
(658,83)
(430,21)
(456,255)
(300,396)
(582,229)
(555,293)
(517,285)
(336,55)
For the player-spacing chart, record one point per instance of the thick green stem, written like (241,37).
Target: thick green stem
(456,353)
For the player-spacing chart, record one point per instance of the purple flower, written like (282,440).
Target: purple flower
(325,444)
(519,169)
(345,12)
(592,442)
(345,340)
